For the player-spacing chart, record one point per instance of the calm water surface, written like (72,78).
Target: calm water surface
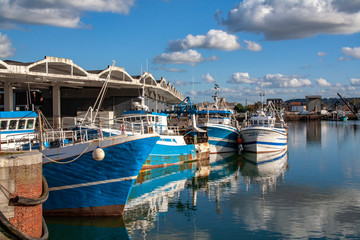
(310,191)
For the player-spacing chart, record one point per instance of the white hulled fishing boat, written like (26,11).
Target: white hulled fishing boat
(265,131)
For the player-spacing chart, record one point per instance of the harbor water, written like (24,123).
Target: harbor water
(312,190)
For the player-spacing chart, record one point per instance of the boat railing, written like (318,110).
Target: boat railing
(19,140)
(123,126)
(169,130)
(60,137)
(222,120)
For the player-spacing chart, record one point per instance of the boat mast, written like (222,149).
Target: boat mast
(216,96)
(262,94)
(101,96)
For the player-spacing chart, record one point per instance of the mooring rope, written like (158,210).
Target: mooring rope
(72,160)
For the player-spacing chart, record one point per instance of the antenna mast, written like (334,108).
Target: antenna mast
(101,95)
(262,94)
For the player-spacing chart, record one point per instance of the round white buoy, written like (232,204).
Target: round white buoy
(98,154)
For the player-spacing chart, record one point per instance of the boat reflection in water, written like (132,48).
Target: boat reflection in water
(222,179)
(175,188)
(154,190)
(86,228)
(264,169)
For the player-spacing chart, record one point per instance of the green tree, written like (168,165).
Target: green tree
(239,108)
(249,108)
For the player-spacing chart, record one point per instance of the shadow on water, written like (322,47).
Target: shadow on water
(86,228)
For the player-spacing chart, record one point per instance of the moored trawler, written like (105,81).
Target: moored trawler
(17,129)
(87,174)
(221,126)
(264,132)
(173,147)
(84,181)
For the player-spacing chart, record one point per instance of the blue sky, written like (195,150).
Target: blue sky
(287,48)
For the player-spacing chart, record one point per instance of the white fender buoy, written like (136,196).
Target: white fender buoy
(98,154)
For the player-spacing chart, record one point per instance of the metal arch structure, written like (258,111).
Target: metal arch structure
(3,65)
(61,72)
(117,74)
(62,81)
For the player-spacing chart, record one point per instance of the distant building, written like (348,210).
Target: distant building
(276,101)
(297,107)
(313,103)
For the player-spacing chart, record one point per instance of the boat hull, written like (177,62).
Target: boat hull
(222,138)
(263,139)
(86,187)
(164,154)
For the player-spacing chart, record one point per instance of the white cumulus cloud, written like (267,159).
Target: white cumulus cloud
(61,13)
(175,70)
(353,52)
(187,57)
(355,81)
(214,39)
(207,78)
(322,82)
(321,54)
(242,77)
(5,46)
(283,81)
(289,19)
(253,46)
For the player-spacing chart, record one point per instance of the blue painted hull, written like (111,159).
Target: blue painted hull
(170,154)
(88,187)
(172,149)
(222,138)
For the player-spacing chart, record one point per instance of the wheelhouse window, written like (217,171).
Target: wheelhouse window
(21,124)
(3,124)
(12,124)
(30,124)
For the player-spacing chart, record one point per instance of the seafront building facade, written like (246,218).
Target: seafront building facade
(61,88)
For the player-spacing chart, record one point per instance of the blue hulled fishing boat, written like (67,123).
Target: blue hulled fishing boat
(221,126)
(87,173)
(93,177)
